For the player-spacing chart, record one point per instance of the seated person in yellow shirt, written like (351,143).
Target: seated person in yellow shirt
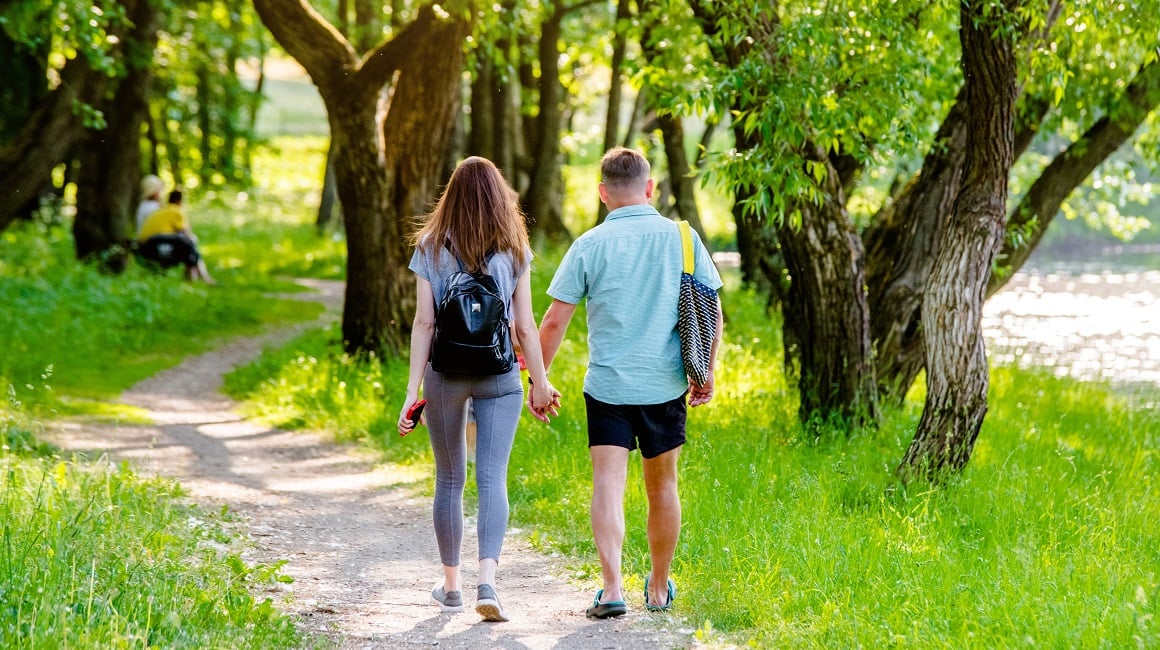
(166,240)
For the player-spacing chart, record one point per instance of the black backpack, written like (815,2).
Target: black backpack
(472,336)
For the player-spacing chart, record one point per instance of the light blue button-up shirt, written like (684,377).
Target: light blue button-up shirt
(629,269)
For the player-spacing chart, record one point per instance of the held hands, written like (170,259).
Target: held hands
(543,400)
(701,393)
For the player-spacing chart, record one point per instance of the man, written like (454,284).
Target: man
(166,240)
(629,269)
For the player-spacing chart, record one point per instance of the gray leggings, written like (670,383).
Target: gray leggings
(497,401)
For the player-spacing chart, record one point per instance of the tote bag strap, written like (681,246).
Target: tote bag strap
(686,247)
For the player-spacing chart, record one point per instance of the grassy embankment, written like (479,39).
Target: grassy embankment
(1049,538)
(93,557)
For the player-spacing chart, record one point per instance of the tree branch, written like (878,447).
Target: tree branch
(377,68)
(1072,166)
(321,49)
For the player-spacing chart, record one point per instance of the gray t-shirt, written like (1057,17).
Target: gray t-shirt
(436,266)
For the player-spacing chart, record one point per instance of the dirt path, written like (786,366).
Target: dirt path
(356,535)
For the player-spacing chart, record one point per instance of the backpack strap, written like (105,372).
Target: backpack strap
(447,245)
(687,261)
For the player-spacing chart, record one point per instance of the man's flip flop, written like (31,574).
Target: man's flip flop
(605,610)
(660,608)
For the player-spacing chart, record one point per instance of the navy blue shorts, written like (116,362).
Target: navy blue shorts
(654,428)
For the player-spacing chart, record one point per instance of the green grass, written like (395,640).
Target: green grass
(1049,537)
(99,557)
(93,556)
(74,339)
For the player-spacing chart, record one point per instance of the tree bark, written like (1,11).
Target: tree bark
(481,141)
(542,203)
(901,245)
(827,308)
(386,168)
(615,88)
(328,202)
(956,362)
(110,161)
(682,176)
(50,134)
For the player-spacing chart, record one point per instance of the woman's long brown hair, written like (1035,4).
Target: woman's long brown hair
(479,214)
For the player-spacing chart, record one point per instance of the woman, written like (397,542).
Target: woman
(151,187)
(476,226)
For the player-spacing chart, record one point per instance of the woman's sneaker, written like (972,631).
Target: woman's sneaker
(448,601)
(487,604)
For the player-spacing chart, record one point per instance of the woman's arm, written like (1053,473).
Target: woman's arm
(543,395)
(422,334)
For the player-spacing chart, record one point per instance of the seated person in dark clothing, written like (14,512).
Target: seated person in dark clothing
(166,240)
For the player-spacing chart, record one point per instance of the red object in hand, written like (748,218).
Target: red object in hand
(523,364)
(415,411)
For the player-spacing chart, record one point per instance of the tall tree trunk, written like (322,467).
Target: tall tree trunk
(542,203)
(231,128)
(828,309)
(386,169)
(509,141)
(110,162)
(682,175)
(205,123)
(900,250)
(615,87)
(484,94)
(957,374)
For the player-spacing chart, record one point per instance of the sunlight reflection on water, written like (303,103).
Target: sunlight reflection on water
(1086,324)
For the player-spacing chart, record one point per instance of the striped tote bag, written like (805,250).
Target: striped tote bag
(696,314)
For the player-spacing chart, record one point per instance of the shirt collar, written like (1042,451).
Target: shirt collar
(639,210)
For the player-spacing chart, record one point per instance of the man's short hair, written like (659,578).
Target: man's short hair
(175,197)
(623,168)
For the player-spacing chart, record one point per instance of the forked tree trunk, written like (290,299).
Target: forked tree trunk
(900,250)
(957,373)
(391,113)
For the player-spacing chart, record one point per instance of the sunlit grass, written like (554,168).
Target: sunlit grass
(74,338)
(94,556)
(72,332)
(789,540)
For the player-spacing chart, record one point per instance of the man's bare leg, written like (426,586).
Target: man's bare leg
(664,520)
(609,472)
